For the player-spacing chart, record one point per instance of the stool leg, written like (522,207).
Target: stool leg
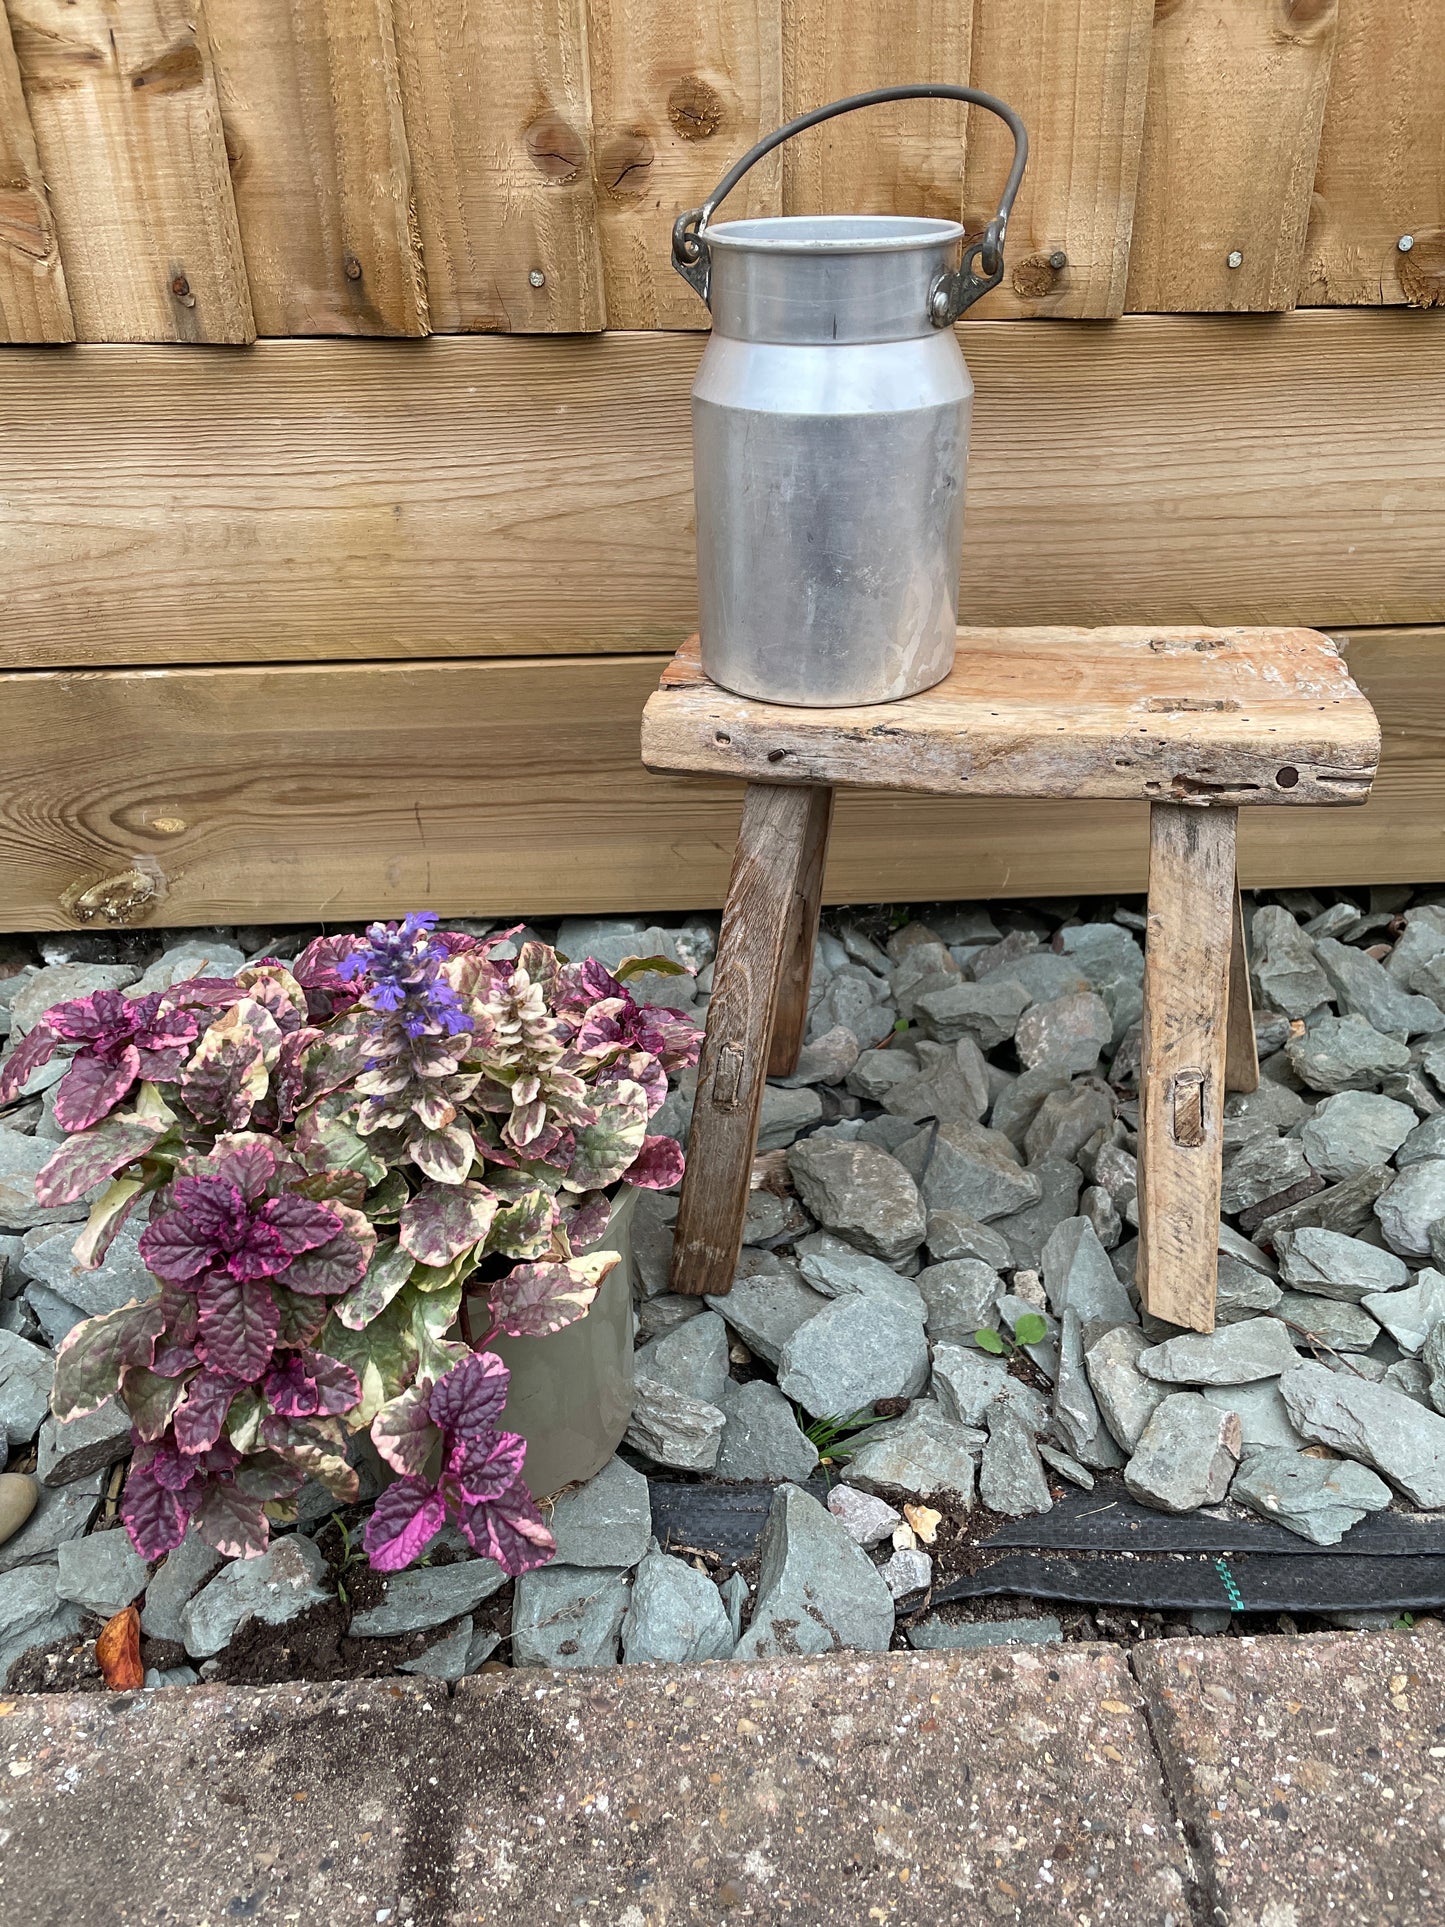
(1181,1092)
(790,1018)
(777,841)
(1241,1059)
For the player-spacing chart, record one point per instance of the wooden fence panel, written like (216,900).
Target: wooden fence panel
(33,302)
(902,158)
(322,180)
(477,496)
(358,789)
(1231,133)
(1077,71)
(501,143)
(679,89)
(1381,168)
(128,125)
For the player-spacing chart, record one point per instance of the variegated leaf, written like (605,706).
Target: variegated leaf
(388,1271)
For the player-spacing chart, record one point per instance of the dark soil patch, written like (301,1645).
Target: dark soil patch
(315,1646)
(67,1667)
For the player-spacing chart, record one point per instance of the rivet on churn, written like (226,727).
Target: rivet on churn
(1235,260)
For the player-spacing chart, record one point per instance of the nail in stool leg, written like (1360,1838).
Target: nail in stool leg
(1241,1059)
(790,1019)
(776,842)
(1181,1087)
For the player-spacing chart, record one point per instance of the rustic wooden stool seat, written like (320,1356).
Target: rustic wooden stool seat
(1196,722)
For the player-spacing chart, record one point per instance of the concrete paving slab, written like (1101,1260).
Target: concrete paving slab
(918,1789)
(1309,1773)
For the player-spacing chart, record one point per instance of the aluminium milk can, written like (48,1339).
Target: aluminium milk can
(830,436)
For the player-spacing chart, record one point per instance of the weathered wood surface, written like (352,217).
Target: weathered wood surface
(514,787)
(33,302)
(1381,172)
(679,89)
(1190,714)
(479,497)
(311,105)
(790,1015)
(779,844)
(1236,101)
(501,140)
(1241,1055)
(904,157)
(1078,75)
(128,126)
(1182,1059)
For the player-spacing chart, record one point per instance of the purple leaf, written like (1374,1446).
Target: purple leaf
(403,1432)
(35,1048)
(202,1418)
(92,1087)
(172,1248)
(227,1076)
(91,1358)
(239,1324)
(444,1220)
(94,1154)
(589,1221)
(300,1224)
(155,1519)
(483,1469)
(510,1530)
(242,1158)
(303,1383)
(533,1300)
(466,1400)
(403,1523)
(334,1267)
(162,1460)
(235,1524)
(658,1165)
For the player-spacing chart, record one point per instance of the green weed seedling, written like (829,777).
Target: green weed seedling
(1031,1329)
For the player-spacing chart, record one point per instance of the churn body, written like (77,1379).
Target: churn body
(830,437)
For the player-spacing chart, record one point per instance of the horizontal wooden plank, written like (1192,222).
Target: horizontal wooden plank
(485,496)
(237,795)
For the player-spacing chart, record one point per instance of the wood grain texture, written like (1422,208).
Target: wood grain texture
(1231,133)
(500,127)
(1241,1056)
(128,126)
(1381,171)
(906,157)
(514,788)
(33,303)
(790,1014)
(1182,1059)
(1078,73)
(777,843)
(357,500)
(1233,715)
(322,180)
(679,89)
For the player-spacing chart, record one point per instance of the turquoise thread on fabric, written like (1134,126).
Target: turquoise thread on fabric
(1236,1597)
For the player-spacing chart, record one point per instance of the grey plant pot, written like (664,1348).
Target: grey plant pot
(571,1393)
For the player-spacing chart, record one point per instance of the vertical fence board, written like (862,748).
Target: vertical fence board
(34,306)
(679,89)
(1077,71)
(903,158)
(1381,169)
(312,111)
(500,130)
(1231,134)
(123,102)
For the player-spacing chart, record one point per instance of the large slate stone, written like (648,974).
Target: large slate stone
(675,1614)
(1320,1499)
(21,1160)
(1410,1316)
(25,1374)
(925,1453)
(606,1522)
(837,1269)
(1412,1206)
(1381,1428)
(1427,1140)
(1261,1169)
(920,968)
(1354,1131)
(82,1445)
(952,1234)
(425,1596)
(673,1429)
(1367,990)
(1078,1277)
(855,1351)
(1345,1054)
(960,1297)
(988,1012)
(189,959)
(1077,1422)
(856,1000)
(1432,1362)
(785,1114)
(1011,1478)
(1016,1107)
(817,1591)
(761,1438)
(964,1167)
(32,1613)
(568,1616)
(1240,1291)
(1340,1326)
(1233,1355)
(1029,1230)
(1126,1398)
(48,1259)
(966,1382)
(102,1573)
(1067,1032)
(176,1581)
(1186,1455)
(1286,972)
(863,1194)
(767,1303)
(1067,1120)
(1266,1111)
(827,1060)
(276,1587)
(1263,1416)
(951,1081)
(693,1359)
(1331,1265)
(1345,1207)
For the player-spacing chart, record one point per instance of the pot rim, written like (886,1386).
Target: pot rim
(834,233)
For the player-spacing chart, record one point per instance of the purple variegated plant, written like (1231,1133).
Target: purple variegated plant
(336,1159)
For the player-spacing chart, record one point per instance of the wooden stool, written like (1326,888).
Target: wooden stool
(1198,723)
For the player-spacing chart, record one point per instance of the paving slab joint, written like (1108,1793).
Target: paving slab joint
(1201,1889)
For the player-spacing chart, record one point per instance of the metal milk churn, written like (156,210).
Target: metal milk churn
(830,435)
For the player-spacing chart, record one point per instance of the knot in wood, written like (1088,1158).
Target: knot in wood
(695,109)
(555,149)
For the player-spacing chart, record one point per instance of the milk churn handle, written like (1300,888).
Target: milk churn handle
(981,267)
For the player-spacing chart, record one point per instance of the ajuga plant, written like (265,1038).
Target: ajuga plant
(356,1170)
